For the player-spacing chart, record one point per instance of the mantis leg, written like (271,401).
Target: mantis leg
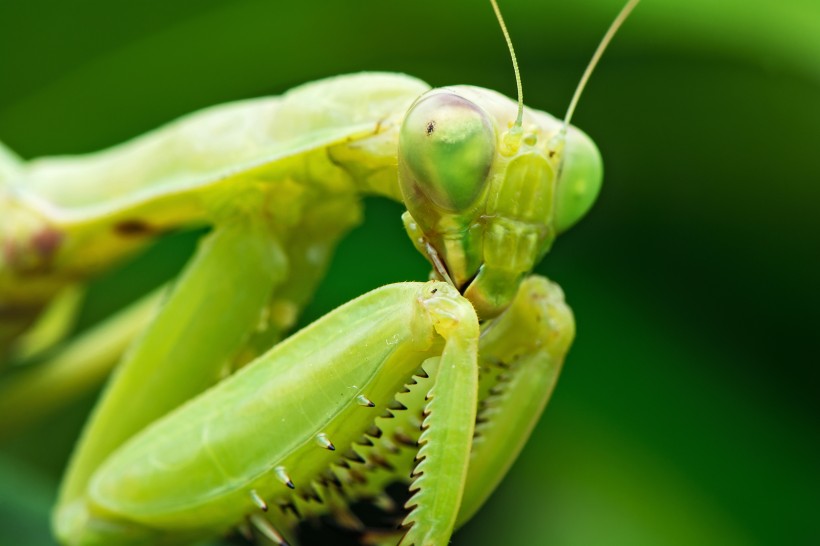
(218,299)
(521,355)
(79,367)
(447,434)
(309,246)
(270,432)
(241,292)
(52,326)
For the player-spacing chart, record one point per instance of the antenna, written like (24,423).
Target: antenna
(613,28)
(519,121)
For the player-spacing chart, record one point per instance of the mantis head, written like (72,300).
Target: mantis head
(489,185)
(486,197)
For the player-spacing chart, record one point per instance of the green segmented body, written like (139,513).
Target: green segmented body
(211,422)
(289,173)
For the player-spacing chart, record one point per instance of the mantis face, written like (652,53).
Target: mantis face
(486,198)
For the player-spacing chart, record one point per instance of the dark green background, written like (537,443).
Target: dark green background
(688,410)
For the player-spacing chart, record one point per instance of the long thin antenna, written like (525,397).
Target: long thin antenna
(613,28)
(519,121)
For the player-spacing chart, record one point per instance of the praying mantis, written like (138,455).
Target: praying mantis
(214,419)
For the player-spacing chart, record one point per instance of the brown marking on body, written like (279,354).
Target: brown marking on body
(431,127)
(134,228)
(46,242)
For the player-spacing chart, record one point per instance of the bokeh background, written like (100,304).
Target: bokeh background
(688,411)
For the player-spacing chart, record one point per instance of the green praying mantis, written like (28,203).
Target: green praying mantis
(215,420)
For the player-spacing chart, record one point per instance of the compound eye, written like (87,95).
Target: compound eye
(580,180)
(448,144)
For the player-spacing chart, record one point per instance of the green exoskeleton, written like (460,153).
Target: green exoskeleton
(212,422)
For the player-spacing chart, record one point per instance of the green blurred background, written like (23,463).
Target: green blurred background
(687,413)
